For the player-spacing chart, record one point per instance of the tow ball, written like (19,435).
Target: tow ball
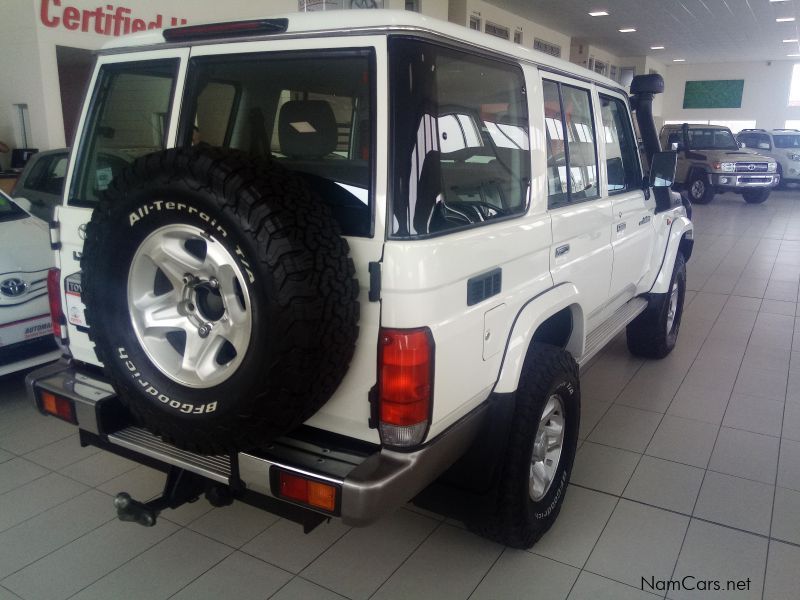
(181,487)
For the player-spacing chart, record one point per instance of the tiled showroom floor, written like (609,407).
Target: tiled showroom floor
(688,466)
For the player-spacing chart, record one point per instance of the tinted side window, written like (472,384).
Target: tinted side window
(128,119)
(622,161)
(460,130)
(571,148)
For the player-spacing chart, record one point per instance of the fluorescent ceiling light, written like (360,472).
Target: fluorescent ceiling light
(598,13)
(778,0)
(656,47)
(678,60)
(627,30)
(793,55)
(791,41)
(784,19)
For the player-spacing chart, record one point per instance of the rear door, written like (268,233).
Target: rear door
(129,113)
(581,217)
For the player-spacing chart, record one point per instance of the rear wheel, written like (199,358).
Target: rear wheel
(653,333)
(540,451)
(755,196)
(699,190)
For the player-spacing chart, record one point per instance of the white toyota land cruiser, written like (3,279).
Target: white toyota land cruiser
(344,261)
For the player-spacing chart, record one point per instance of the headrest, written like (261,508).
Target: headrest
(307,129)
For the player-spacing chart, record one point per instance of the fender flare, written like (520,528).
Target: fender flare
(535,312)
(681,236)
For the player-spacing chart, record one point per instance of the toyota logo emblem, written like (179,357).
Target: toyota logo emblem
(751,167)
(13,287)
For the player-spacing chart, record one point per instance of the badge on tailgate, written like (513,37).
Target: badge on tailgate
(75,306)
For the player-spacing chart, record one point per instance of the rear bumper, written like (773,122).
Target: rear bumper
(373,480)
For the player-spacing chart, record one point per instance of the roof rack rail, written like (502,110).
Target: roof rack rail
(752,129)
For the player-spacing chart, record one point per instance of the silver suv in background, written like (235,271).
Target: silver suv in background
(781,144)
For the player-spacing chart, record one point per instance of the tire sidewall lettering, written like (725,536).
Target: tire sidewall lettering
(168,212)
(135,375)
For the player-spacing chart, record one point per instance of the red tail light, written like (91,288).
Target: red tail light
(54,296)
(405,385)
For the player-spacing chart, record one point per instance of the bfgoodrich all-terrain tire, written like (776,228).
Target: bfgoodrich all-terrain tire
(653,333)
(220,297)
(540,450)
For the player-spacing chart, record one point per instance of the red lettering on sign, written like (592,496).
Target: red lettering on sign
(45,14)
(72,18)
(110,20)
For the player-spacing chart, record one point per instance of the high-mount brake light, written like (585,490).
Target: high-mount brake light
(54,298)
(405,385)
(224,30)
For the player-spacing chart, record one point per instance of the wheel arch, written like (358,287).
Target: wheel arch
(681,239)
(554,317)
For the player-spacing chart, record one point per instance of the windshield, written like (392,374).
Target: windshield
(712,139)
(8,210)
(787,141)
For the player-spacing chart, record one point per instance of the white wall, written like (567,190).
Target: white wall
(18,62)
(765,95)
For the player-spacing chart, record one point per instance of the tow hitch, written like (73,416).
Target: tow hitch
(180,488)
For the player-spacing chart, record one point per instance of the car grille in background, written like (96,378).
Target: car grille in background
(751,167)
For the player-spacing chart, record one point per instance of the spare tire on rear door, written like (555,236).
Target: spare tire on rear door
(220,297)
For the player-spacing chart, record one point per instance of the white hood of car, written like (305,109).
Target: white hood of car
(24,245)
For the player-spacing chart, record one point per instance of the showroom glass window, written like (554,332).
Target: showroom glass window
(311,112)
(622,158)
(128,119)
(461,155)
(571,149)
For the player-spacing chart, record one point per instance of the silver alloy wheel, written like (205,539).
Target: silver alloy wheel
(673,307)
(188,306)
(698,189)
(547,447)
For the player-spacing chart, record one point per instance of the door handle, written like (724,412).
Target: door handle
(562,250)
(621,227)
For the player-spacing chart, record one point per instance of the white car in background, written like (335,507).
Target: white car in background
(26,331)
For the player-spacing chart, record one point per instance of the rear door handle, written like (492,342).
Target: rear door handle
(562,250)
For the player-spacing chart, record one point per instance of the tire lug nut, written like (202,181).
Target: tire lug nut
(214,283)
(204,330)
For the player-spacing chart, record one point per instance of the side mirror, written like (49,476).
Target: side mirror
(662,169)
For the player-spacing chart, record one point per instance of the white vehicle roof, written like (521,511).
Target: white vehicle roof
(364,22)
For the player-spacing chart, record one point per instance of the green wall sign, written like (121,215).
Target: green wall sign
(719,93)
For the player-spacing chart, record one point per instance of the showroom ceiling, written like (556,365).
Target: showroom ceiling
(694,30)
